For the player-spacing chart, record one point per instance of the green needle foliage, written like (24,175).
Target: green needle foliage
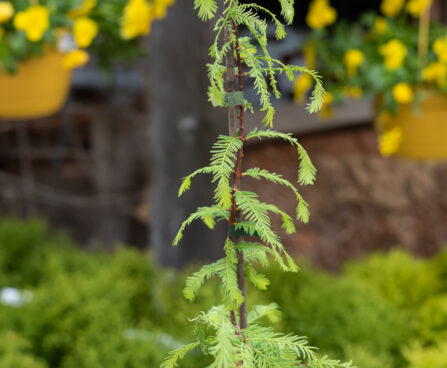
(219,335)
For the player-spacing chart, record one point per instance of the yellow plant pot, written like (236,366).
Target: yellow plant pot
(424,134)
(38,89)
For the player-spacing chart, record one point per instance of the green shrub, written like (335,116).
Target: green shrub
(432,320)
(401,278)
(92,309)
(427,357)
(323,306)
(30,253)
(439,265)
(100,310)
(23,248)
(365,357)
(85,304)
(14,352)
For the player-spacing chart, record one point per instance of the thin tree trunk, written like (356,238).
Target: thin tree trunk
(232,127)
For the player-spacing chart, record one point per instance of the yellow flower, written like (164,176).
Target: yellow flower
(6,11)
(75,59)
(84,31)
(328,99)
(138,16)
(380,25)
(166,2)
(390,141)
(85,9)
(159,10)
(303,83)
(354,92)
(418,7)
(440,48)
(403,93)
(435,72)
(321,14)
(326,110)
(34,21)
(394,53)
(391,8)
(353,59)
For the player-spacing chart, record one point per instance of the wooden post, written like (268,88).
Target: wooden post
(183,127)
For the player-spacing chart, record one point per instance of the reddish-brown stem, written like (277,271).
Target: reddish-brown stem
(236,183)
(236,326)
(238,171)
(241,116)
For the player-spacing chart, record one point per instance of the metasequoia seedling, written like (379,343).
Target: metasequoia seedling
(230,335)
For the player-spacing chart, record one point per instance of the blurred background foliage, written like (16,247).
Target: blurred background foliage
(93,310)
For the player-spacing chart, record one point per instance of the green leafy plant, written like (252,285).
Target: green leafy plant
(427,357)
(95,309)
(397,59)
(14,352)
(358,334)
(110,30)
(228,334)
(399,55)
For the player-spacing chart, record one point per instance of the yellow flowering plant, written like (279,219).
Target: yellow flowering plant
(380,55)
(398,57)
(108,29)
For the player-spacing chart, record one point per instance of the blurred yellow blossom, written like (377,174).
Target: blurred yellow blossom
(391,8)
(354,92)
(326,110)
(321,14)
(34,21)
(85,9)
(380,25)
(435,72)
(75,59)
(6,11)
(394,53)
(138,16)
(84,31)
(160,10)
(390,141)
(440,48)
(353,59)
(418,7)
(403,93)
(303,83)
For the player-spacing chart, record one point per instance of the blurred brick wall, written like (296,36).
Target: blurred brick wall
(361,202)
(90,174)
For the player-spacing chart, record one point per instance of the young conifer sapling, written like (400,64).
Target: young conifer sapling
(230,335)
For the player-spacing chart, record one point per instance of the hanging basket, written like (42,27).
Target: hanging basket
(424,133)
(38,89)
